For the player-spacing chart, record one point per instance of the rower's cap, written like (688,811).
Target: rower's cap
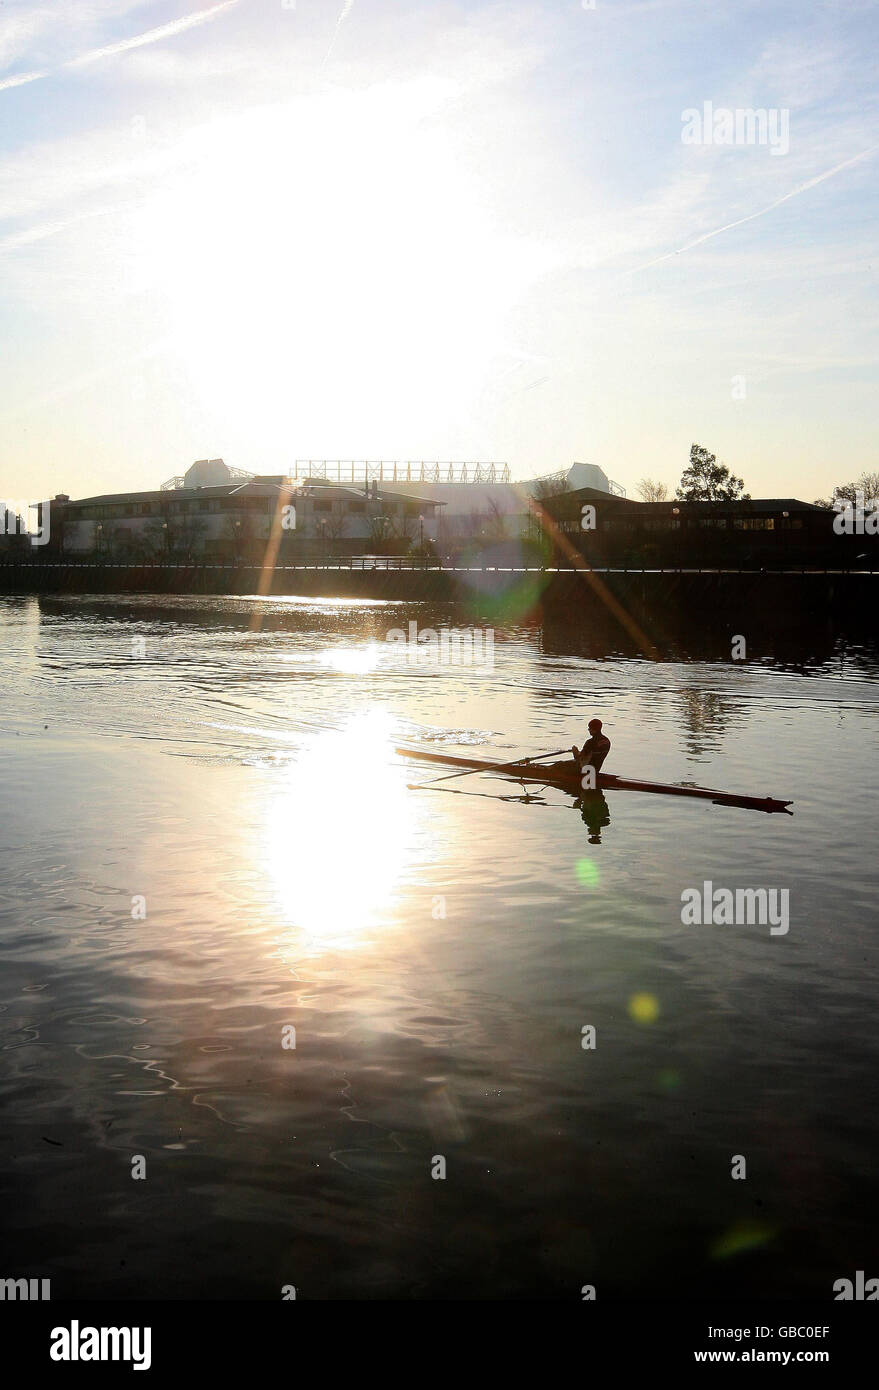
(594,723)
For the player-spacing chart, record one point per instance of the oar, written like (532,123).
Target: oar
(498,767)
(492,796)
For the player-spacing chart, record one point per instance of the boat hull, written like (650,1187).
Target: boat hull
(566,777)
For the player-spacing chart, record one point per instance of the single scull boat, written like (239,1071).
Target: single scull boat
(566,777)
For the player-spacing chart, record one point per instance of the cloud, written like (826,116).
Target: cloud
(20,79)
(163,31)
(346,10)
(761,212)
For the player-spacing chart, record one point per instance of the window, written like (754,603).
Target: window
(323,506)
(717,521)
(357,506)
(754,523)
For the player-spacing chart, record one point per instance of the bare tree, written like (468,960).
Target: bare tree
(337,522)
(238,530)
(187,535)
(380,528)
(404,527)
(867,484)
(652,491)
(495,522)
(551,485)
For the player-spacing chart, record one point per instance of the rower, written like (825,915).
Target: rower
(594,750)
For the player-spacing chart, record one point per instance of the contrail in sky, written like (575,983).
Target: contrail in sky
(21,79)
(761,212)
(164,31)
(346,10)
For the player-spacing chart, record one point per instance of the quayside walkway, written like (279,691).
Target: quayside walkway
(402,563)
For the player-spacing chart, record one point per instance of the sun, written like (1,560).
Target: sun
(314,257)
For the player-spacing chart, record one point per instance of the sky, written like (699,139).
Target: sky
(267,230)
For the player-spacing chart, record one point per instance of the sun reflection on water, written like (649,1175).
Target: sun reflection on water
(337,835)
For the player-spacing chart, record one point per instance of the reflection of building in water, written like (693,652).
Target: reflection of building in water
(683,632)
(706,717)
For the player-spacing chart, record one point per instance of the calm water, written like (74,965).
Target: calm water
(438,953)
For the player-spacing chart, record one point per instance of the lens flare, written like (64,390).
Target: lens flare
(588,873)
(644,1008)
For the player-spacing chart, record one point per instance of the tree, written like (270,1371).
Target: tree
(156,538)
(867,484)
(652,491)
(706,480)
(495,522)
(336,522)
(550,485)
(238,533)
(403,527)
(187,537)
(380,528)
(13,536)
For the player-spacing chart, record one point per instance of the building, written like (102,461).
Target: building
(217,513)
(478,500)
(350,520)
(224,521)
(214,513)
(762,532)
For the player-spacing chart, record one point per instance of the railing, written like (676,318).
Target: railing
(395,471)
(236,475)
(405,562)
(389,562)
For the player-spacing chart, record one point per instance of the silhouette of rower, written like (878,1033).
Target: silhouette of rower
(594,750)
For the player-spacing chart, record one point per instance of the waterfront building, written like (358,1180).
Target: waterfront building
(217,513)
(478,500)
(761,531)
